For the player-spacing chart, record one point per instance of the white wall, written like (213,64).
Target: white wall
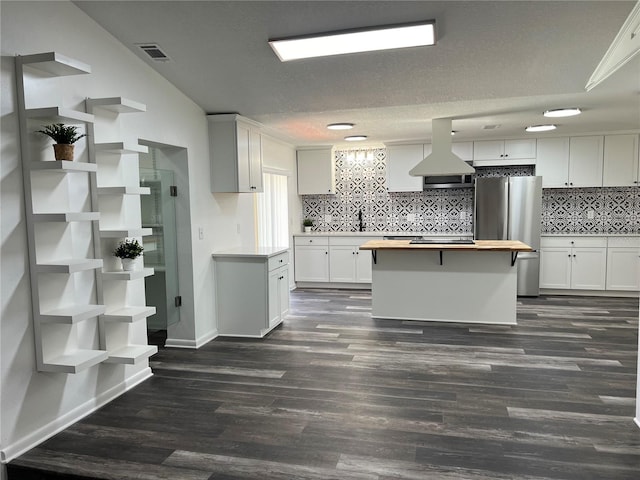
(34,405)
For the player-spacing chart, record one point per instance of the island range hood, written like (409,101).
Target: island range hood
(442,161)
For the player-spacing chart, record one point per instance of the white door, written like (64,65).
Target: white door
(312,264)
(342,263)
(283,291)
(555,267)
(552,161)
(585,161)
(255,161)
(488,150)
(623,269)
(401,159)
(243,140)
(520,149)
(588,269)
(620,161)
(363,266)
(274,296)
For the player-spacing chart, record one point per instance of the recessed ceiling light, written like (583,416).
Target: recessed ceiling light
(563,112)
(340,126)
(540,128)
(355,138)
(354,41)
(453,132)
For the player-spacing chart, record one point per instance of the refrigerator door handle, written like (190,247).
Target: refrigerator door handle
(504,233)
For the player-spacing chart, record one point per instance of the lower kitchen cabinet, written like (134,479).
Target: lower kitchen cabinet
(311,259)
(576,263)
(346,262)
(252,290)
(623,263)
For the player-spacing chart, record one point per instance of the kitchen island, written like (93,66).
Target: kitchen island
(445,282)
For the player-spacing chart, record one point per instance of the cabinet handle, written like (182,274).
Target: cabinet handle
(571,183)
(280,260)
(357,253)
(566,183)
(353,253)
(569,255)
(574,255)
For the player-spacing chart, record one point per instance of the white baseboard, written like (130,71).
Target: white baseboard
(590,293)
(197,343)
(637,421)
(49,430)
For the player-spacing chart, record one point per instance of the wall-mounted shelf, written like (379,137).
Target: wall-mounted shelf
(128,314)
(127,275)
(72,314)
(75,361)
(116,104)
(63,166)
(124,191)
(129,232)
(131,354)
(58,114)
(67,217)
(55,64)
(69,265)
(121,147)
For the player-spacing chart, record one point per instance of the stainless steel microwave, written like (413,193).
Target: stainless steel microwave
(449,181)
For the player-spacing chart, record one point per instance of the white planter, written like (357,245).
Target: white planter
(307,229)
(130,264)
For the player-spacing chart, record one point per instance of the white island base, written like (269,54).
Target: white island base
(471,286)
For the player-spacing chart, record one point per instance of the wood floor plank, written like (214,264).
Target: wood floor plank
(335,394)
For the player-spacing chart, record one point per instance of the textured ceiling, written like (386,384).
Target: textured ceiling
(495,63)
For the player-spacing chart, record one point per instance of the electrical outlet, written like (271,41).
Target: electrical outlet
(238,227)
(591,214)
(201,233)
(463,215)
(327,218)
(411,217)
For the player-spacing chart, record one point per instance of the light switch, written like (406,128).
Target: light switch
(327,218)
(463,215)
(591,214)
(201,233)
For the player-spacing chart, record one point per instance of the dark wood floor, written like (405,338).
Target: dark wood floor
(333,394)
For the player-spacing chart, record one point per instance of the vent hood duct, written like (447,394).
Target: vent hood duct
(442,161)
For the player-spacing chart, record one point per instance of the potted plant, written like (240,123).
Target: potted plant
(307,223)
(128,251)
(64,136)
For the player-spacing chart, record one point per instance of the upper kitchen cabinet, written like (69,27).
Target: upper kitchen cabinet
(401,159)
(236,154)
(504,152)
(570,162)
(621,162)
(316,171)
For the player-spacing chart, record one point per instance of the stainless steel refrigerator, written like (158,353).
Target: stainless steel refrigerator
(509,208)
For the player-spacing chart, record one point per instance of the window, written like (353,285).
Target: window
(273,212)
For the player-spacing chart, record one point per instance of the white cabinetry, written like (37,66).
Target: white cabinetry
(316,172)
(570,162)
(346,262)
(264,273)
(401,159)
(623,263)
(621,161)
(504,152)
(577,263)
(236,154)
(311,259)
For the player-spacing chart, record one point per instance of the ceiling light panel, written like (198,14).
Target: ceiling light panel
(340,126)
(540,128)
(355,138)
(562,112)
(354,41)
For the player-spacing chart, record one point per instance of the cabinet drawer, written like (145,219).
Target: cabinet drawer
(631,242)
(351,241)
(318,241)
(278,260)
(569,242)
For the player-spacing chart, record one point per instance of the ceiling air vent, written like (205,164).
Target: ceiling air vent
(490,127)
(154,51)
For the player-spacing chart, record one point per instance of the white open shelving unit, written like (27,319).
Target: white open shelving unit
(66,286)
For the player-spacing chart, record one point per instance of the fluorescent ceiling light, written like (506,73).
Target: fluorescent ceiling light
(540,128)
(563,112)
(340,126)
(355,138)
(353,41)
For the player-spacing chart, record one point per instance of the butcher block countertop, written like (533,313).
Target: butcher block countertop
(478,245)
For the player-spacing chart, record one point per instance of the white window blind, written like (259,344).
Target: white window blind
(273,212)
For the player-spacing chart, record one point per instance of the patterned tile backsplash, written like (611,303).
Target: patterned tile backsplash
(360,186)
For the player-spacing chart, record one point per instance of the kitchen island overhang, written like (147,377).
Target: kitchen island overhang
(468,283)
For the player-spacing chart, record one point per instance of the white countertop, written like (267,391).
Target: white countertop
(590,235)
(383,234)
(263,252)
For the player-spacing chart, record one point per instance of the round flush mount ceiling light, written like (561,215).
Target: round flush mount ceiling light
(453,132)
(340,126)
(563,112)
(355,138)
(540,128)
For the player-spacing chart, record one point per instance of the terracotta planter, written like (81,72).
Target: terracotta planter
(62,151)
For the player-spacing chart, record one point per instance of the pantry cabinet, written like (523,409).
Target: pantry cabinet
(570,162)
(316,172)
(236,154)
(401,159)
(621,162)
(576,263)
(504,152)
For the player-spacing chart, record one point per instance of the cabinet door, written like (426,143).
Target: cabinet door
(312,264)
(623,269)
(488,150)
(363,266)
(401,159)
(243,139)
(585,161)
(283,291)
(620,161)
(342,263)
(588,268)
(255,161)
(316,172)
(274,297)
(555,267)
(552,161)
(520,149)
